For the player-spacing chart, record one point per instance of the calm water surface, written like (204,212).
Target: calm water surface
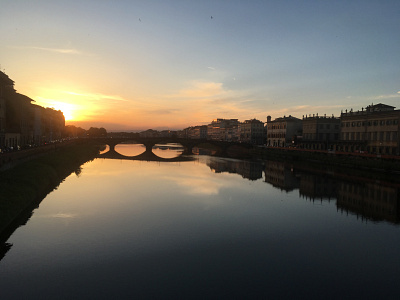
(208,228)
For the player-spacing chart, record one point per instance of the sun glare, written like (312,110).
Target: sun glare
(69,110)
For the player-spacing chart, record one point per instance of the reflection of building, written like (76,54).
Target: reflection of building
(317,186)
(252,131)
(370,200)
(320,133)
(282,131)
(247,169)
(375,129)
(223,130)
(281,176)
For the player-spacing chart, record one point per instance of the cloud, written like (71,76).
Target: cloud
(57,50)
(397,95)
(201,89)
(211,68)
(96,96)
(59,216)
(162,111)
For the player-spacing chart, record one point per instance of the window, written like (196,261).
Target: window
(381,134)
(375,123)
(382,122)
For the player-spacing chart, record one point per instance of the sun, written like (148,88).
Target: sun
(69,110)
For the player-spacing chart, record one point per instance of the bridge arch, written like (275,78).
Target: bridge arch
(223,147)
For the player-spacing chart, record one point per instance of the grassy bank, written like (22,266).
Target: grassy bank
(26,184)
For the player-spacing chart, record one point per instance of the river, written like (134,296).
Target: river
(207,228)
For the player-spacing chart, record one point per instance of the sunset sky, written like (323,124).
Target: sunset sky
(132,65)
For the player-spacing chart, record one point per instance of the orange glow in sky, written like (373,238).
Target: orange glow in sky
(160,64)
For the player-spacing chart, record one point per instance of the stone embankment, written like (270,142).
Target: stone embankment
(358,161)
(13,158)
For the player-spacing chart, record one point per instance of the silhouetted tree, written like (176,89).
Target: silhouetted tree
(73,131)
(96,132)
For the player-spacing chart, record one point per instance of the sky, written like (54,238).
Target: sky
(170,64)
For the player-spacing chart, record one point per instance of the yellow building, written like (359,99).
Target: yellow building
(373,130)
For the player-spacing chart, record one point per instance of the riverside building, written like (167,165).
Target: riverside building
(320,132)
(374,129)
(282,132)
(252,131)
(223,130)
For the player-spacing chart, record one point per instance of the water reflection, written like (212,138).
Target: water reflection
(105,150)
(247,169)
(170,150)
(129,149)
(374,201)
(362,196)
(211,227)
(160,153)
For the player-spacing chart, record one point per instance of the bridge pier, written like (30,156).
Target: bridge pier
(149,147)
(188,150)
(112,147)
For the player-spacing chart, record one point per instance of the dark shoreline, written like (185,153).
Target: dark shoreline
(29,180)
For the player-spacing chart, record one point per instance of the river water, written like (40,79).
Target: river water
(207,228)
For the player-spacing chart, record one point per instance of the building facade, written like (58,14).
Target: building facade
(320,133)
(282,132)
(23,123)
(6,91)
(223,130)
(196,132)
(252,131)
(373,130)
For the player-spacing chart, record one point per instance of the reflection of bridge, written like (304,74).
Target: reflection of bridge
(188,145)
(148,155)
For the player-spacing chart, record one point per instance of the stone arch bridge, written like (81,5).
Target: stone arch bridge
(188,145)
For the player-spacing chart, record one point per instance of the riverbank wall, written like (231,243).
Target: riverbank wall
(30,179)
(372,163)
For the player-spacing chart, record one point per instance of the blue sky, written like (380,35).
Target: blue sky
(149,64)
